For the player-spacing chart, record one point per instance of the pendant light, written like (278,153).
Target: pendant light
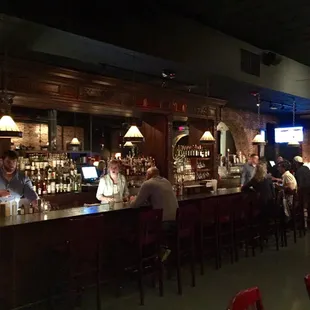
(8,128)
(293,142)
(128,144)
(207,137)
(133,134)
(258,139)
(75,141)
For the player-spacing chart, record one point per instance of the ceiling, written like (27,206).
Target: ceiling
(258,24)
(282,26)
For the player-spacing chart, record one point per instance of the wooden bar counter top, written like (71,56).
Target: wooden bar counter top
(98,209)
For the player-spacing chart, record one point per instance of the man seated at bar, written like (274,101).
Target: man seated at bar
(159,193)
(248,170)
(14,184)
(112,186)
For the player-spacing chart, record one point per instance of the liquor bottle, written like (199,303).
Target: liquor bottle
(39,188)
(44,187)
(61,184)
(48,186)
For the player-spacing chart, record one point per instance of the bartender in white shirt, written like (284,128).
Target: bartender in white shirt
(112,186)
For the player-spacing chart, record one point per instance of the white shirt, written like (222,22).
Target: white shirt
(158,191)
(108,189)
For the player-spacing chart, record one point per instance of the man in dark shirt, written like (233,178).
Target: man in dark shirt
(302,175)
(275,171)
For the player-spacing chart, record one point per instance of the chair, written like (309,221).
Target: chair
(149,242)
(307,283)
(247,299)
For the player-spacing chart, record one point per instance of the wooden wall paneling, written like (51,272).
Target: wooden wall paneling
(44,86)
(5,145)
(154,129)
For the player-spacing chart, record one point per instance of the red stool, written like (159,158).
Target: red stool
(307,283)
(247,299)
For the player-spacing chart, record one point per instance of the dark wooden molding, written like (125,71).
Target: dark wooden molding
(43,86)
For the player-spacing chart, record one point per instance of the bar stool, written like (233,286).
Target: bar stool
(241,210)
(84,249)
(148,243)
(182,241)
(226,227)
(208,231)
(298,216)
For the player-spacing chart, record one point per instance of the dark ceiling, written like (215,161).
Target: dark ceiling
(282,26)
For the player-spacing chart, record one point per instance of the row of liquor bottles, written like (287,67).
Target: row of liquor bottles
(51,173)
(192,151)
(136,166)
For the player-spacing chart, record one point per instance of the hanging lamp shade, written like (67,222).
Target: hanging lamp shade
(128,144)
(133,135)
(8,128)
(258,140)
(75,141)
(207,137)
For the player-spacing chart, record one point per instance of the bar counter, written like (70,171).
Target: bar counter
(98,209)
(28,253)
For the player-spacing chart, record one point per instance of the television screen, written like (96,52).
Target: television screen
(89,173)
(287,134)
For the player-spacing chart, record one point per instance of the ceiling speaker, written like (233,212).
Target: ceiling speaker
(270,58)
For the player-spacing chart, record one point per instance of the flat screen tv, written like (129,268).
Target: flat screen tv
(286,134)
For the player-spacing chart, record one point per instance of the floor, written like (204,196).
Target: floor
(279,275)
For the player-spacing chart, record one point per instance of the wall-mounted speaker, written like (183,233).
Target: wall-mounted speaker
(270,58)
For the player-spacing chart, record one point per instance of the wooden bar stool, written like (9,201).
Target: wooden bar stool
(226,227)
(241,209)
(186,220)
(84,248)
(149,239)
(208,231)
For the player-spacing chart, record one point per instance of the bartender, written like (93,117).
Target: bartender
(13,183)
(112,186)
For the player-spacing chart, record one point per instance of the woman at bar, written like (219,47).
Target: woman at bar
(263,186)
(112,186)
(101,168)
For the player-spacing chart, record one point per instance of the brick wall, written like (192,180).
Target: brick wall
(243,126)
(306,145)
(32,133)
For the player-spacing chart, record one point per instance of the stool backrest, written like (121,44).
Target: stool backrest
(307,283)
(186,218)
(86,234)
(150,223)
(249,299)
(208,210)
